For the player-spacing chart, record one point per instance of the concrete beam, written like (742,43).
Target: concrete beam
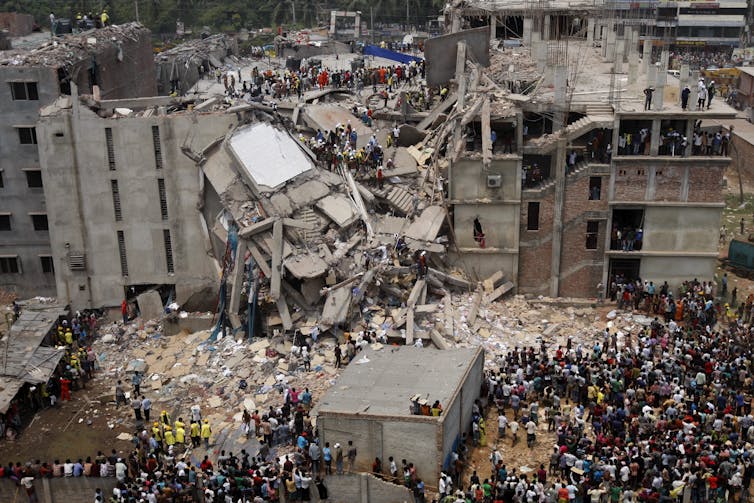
(298,224)
(486,134)
(260,260)
(256,228)
(285,315)
(277,259)
(475,304)
(499,291)
(238,270)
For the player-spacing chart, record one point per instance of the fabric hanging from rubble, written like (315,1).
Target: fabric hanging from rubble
(228,263)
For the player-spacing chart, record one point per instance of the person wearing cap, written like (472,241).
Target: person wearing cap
(195,433)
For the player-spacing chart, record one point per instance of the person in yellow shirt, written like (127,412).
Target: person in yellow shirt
(165,418)
(169,437)
(206,433)
(194,433)
(157,432)
(104,18)
(180,435)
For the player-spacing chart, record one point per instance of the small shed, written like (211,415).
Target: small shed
(371,405)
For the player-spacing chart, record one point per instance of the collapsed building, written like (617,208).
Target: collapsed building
(179,68)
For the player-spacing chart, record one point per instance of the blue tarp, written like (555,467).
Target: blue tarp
(373,50)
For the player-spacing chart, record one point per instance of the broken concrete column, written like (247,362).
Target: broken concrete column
(546,28)
(493,27)
(540,50)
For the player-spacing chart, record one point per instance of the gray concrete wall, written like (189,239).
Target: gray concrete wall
(87,223)
(499,223)
(469,180)
(59,490)
(16,197)
(350,488)
(457,420)
(440,53)
(685,229)
(675,270)
(413,440)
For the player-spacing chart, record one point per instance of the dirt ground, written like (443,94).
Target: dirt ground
(64,431)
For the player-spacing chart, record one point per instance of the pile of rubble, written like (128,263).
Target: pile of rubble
(68,50)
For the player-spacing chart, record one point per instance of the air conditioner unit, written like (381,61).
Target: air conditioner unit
(494,181)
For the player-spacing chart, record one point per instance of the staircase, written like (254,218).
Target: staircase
(396,197)
(603,109)
(308,216)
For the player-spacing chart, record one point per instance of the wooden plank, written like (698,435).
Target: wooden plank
(277,259)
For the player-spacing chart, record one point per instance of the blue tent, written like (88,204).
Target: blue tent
(373,50)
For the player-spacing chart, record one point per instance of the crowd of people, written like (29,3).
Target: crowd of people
(661,414)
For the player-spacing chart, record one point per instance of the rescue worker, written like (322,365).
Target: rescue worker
(194,433)
(206,433)
(180,434)
(169,437)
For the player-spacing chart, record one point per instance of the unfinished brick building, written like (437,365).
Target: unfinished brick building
(572,179)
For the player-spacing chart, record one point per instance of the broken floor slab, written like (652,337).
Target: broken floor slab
(339,209)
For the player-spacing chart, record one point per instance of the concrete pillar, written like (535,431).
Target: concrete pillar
(610,49)
(689,137)
(546,28)
(694,96)
(590,31)
(557,218)
(540,51)
(620,48)
(662,79)
(684,77)
(357,26)
(603,36)
(646,56)
(633,67)
(651,77)
(654,144)
(493,27)
(559,81)
(527,31)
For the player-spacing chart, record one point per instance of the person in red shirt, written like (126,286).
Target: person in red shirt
(65,389)
(124,310)
(562,494)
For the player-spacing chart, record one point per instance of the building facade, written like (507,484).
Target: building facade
(126,203)
(118,62)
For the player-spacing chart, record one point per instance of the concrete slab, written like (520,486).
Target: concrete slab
(427,225)
(269,156)
(326,117)
(150,305)
(282,204)
(306,266)
(338,208)
(307,192)
(336,306)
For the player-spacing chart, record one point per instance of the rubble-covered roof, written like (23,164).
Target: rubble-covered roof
(269,155)
(69,49)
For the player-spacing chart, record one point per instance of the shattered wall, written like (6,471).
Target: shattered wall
(181,63)
(80,184)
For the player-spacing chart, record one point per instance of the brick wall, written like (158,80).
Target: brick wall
(535,250)
(668,181)
(580,268)
(630,181)
(17,24)
(705,184)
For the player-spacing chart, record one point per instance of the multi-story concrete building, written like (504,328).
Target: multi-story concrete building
(125,203)
(588,184)
(115,62)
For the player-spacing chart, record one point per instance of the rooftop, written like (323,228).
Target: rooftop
(382,382)
(68,49)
